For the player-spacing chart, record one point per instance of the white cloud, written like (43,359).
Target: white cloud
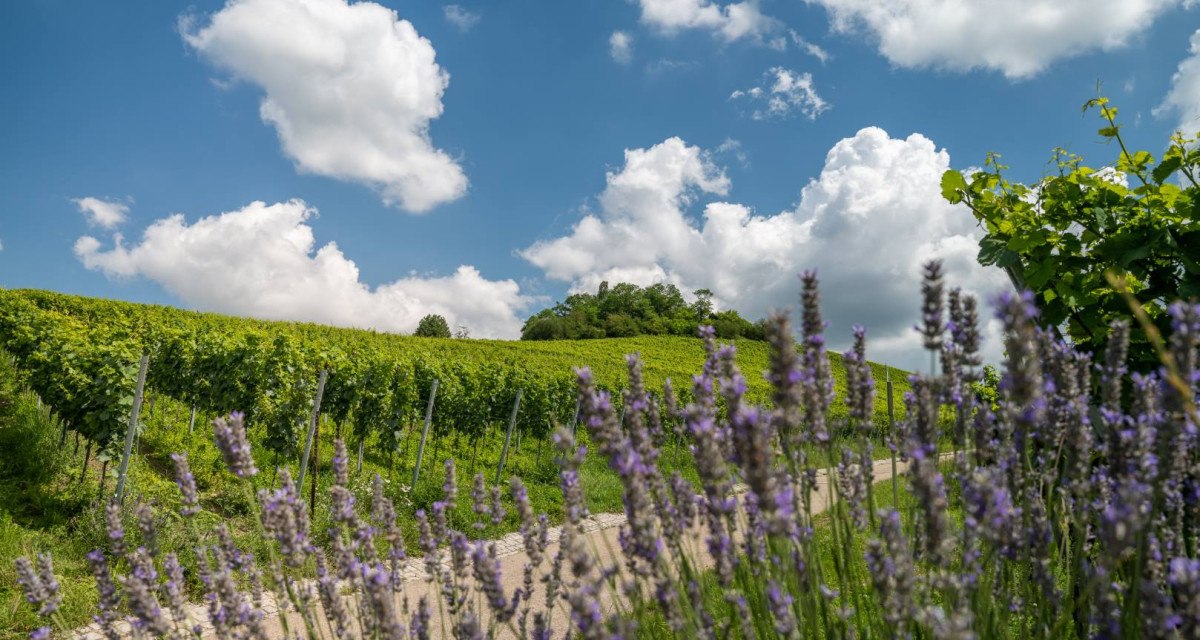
(1016,37)
(464,19)
(263,261)
(733,147)
(783,92)
(867,223)
(102,213)
(350,89)
(809,48)
(620,47)
(1184,97)
(665,65)
(730,22)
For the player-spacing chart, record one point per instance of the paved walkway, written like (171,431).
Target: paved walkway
(601,535)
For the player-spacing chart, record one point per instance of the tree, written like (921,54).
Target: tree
(1059,238)
(433,326)
(625,309)
(703,306)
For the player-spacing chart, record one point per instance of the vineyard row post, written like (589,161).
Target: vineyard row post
(887,373)
(512,422)
(134,414)
(575,418)
(425,432)
(312,428)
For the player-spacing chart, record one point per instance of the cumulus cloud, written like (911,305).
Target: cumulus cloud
(620,47)
(102,213)
(1019,38)
(867,223)
(729,22)
(1184,97)
(263,261)
(464,19)
(349,88)
(782,93)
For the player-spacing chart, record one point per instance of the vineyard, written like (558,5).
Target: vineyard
(81,356)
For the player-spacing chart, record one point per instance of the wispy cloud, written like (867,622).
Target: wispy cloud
(102,213)
(463,18)
(620,47)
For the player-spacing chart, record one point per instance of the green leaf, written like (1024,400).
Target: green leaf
(1136,253)
(1165,168)
(1109,132)
(953,184)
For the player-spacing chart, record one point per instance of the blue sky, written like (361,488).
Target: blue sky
(482,160)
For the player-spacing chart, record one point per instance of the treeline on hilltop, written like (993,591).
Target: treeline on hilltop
(627,310)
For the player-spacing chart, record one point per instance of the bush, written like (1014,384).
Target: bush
(433,326)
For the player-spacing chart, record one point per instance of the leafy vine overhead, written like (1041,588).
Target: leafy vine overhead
(1138,218)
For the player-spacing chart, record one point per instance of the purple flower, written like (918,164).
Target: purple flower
(41,633)
(40,585)
(189,497)
(112,524)
(450,485)
(145,523)
(285,518)
(341,461)
(487,575)
(931,328)
(109,601)
(893,574)
(479,500)
(230,434)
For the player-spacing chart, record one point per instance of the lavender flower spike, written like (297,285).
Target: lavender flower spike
(112,523)
(40,586)
(189,497)
(230,434)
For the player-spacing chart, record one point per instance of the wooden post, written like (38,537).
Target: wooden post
(192,420)
(87,457)
(134,414)
(512,422)
(103,477)
(312,429)
(575,419)
(887,372)
(424,432)
(361,440)
(316,463)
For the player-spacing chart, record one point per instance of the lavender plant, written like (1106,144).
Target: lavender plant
(1068,509)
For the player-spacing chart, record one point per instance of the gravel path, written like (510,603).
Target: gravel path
(602,535)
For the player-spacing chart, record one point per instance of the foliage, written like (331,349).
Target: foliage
(627,310)
(433,326)
(1138,218)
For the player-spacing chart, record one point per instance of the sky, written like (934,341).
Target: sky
(366,163)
